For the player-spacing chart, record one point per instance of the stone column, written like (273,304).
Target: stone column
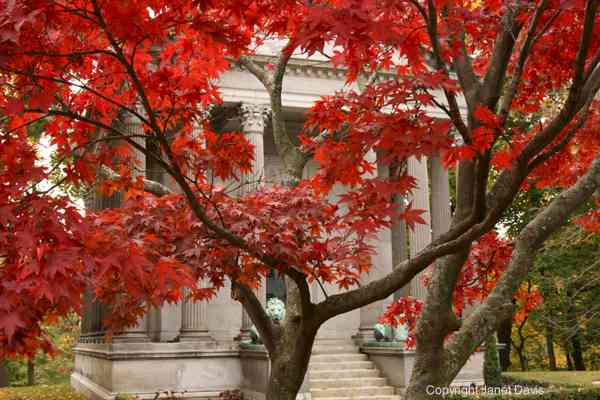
(381,266)
(399,235)
(193,322)
(194,326)
(133,126)
(420,237)
(441,215)
(253,121)
(134,334)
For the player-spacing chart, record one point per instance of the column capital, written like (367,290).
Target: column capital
(254,117)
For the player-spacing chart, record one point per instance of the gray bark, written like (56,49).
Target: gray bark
(293,347)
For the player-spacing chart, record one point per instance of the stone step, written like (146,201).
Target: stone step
(337,349)
(324,366)
(344,373)
(347,383)
(353,391)
(334,342)
(343,357)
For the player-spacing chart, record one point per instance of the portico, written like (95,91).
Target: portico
(194,348)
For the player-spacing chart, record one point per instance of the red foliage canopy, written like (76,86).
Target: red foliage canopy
(87,67)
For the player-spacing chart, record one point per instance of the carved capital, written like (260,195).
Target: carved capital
(254,117)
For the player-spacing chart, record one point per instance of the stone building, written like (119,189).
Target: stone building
(193,349)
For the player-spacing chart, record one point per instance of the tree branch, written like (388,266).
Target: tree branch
(566,139)
(440,65)
(523,55)
(503,48)
(150,186)
(257,314)
(589,21)
(294,159)
(153,123)
(255,69)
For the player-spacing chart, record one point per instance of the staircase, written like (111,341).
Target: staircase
(338,371)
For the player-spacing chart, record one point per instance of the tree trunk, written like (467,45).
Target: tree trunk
(567,350)
(505,337)
(292,347)
(492,374)
(3,374)
(521,347)
(289,363)
(30,373)
(576,338)
(550,349)
(521,356)
(578,353)
(286,377)
(522,359)
(437,320)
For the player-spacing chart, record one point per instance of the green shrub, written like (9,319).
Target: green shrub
(492,372)
(50,370)
(509,380)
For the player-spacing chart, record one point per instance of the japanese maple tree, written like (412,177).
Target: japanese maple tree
(87,68)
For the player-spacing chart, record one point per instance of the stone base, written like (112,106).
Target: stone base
(195,370)
(396,363)
(190,370)
(94,392)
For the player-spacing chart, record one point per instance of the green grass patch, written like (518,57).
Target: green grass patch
(559,378)
(40,392)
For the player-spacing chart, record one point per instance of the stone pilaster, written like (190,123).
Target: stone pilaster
(253,123)
(420,237)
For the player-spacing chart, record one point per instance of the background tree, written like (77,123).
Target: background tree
(3,374)
(88,68)
(48,368)
(566,273)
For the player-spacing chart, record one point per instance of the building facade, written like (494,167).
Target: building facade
(196,350)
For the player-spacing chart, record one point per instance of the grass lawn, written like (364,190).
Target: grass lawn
(40,392)
(578,378)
